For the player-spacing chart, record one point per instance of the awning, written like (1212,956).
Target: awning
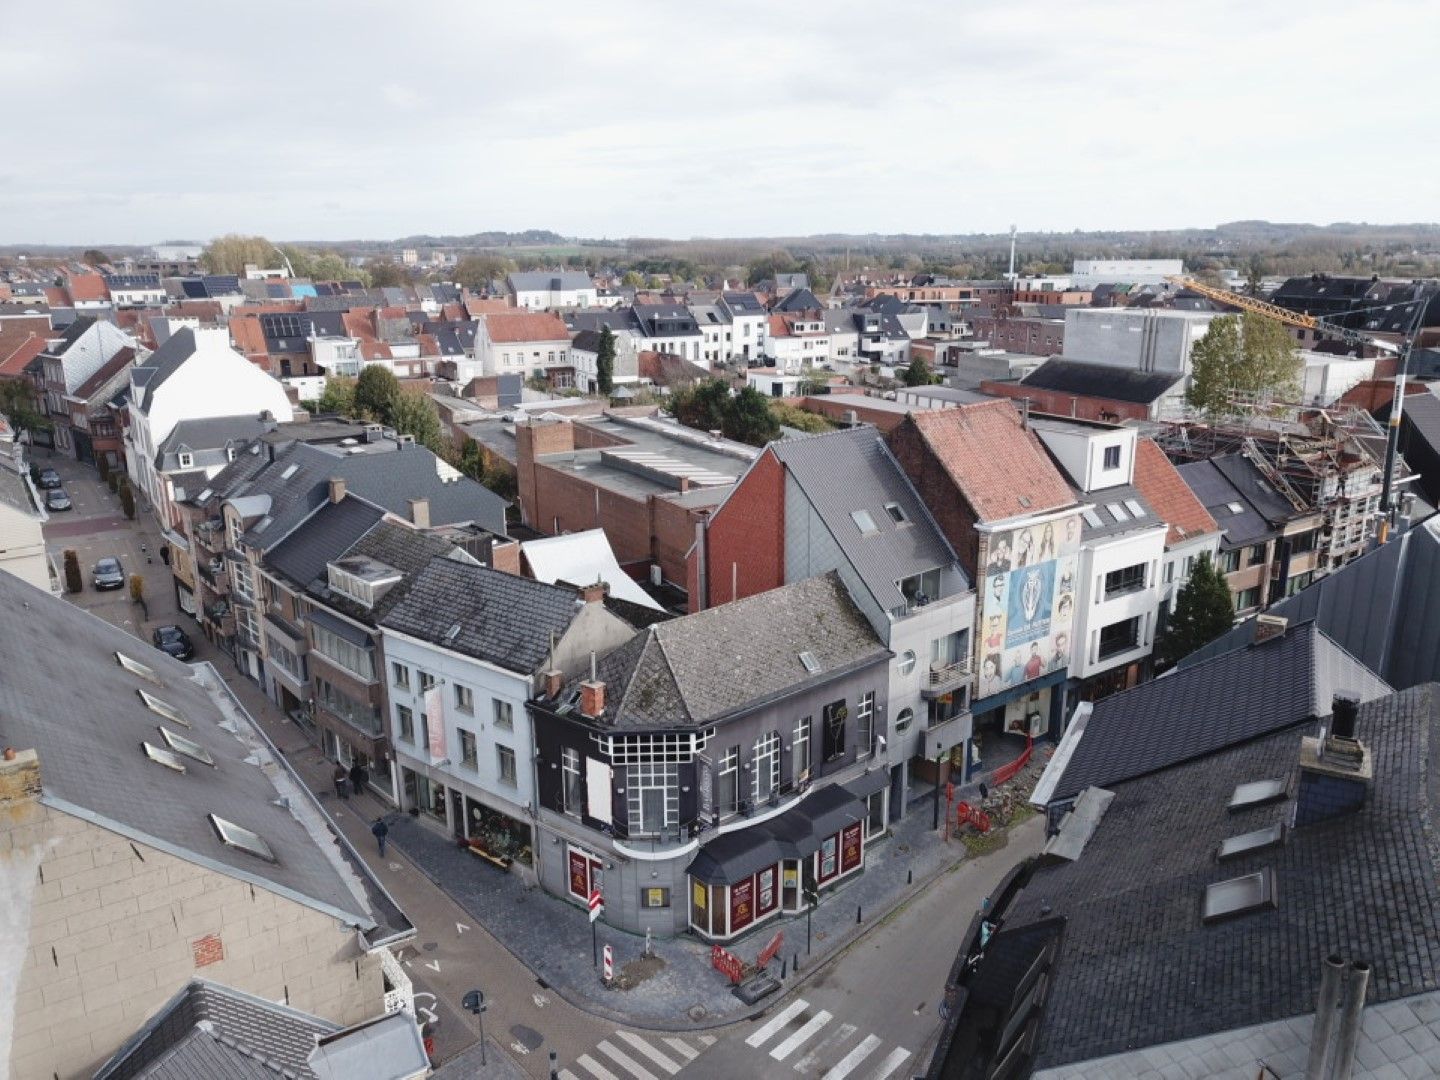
(863,787)
(795,834)
(830,809)
(735,856)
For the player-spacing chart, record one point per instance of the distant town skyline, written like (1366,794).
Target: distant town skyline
(320,123)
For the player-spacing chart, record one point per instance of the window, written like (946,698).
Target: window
(426,680)
(1091,518)
(505,763)
(464,699)
(162,708)
(1112,457)
(467,750)
(570,800)
(897,513)
(1302,543)
(865,724)
(1248,598)
(187,460)
(1256,556)
(1228,561)
(729,792)
(832,745)
(1169,572)
(189,748)
(400,675)
(232,835)
(504,714)
(1239,896)
(405,723)
(800,751)
(907,662)
(1256,793)
(1117,512)
(1119,637)
(765,767)
(808,661)
(904,720)
(920,589)
(355,659)
(137,668)
(864,522)
(652,792)
(1136,510)
(1250,841)
(163,757)
(1125,580)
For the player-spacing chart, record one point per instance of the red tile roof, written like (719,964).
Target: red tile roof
(86,287)
(246,333)
(14,355)
(667,369)
(57,297)
(993,460)
(360,324)
(477,307)
(1171,497)
(526,326)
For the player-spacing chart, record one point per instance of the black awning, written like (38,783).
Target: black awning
(735,856)
(794,834)
(862,787)
(830,809)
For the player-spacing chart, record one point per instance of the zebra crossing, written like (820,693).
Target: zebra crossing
(804,1038)
(636,1057)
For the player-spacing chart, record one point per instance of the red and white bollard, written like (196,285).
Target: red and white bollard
(609,969)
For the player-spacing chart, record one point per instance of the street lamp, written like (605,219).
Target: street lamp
(475,1002)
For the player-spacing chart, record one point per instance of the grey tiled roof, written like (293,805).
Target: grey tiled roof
(1137,966)
(1110,525)
(214,433)
(684,672)
(1216,493)
(848,471)
(504,619)
(1197,710)
(399,546)
(326,535)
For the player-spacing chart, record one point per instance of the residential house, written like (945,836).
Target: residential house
(666,372)
(195,375)
(22,539)
(135,290)
(94,423)
(71,360)
(798,341)
(1089,391)
(1191,532)
(542,290)
(697,801)
(668,328)
(519,343)
(1005,328)
(24,335)
(584,358)
(84,292)
(717,333)
(840,502)
(466,649)
(749,322)
(153,832)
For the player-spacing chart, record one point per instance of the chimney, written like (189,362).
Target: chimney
(19,777)
(594,593)
(592,694)
(1336,768)
(1269,626)
(554,683)
(420,513)
(1332,981)
(337,489)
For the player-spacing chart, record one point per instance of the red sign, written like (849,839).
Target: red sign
(850,847)
(726,962)
(742,904)
(772,950)
(579,874)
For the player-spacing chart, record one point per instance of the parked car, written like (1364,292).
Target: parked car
(56,499)
(108,574)
(49,478)
(173,640)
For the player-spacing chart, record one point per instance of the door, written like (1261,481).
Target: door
(457,813)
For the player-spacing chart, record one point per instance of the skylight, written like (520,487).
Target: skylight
(1244,843)
(1135,508)
(232,835)
(811,664)
(897,513)
(163,757)
(1091,518)
(863,521)
(188,747)
(1257,793)
(1235,508)
(162,708)
(1238,896)
(137,668)
(290,470)
(1117,511)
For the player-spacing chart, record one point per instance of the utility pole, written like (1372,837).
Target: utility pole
(1397,408)
(1011,275)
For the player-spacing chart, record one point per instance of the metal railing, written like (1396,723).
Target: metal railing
(942,679)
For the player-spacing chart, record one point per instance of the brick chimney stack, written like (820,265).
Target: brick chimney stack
(1336,768)
(592,694)
(420,513)
(554,682)
(594,593)
(337,488)
(19,777)
(1269,626)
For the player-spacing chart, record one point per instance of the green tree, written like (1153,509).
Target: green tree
(127,499)
(766,267)
(376,392)
(605,362)
(337,397)
(73,581)
(1244,354)
(749,419)
(791,417)
(703,405)
(632,280)
(1203,611)
(95,257)
(19,405)
(413,413)
(918,373)
(1254,276)
(386,274)
(472,461)
(478,271)
(229,254)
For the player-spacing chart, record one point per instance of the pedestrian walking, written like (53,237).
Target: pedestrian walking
(359,777)
(342,782)
(381,830)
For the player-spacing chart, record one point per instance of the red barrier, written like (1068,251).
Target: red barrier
(726,962)
(1007,772)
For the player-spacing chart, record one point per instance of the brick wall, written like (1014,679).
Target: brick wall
(836,406)
(748,534)
(1038,337)
(534,440)
(672,530)
(1058,403)
(114,930)
(562,502)
(952,513)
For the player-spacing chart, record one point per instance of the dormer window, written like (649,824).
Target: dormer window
(187,459)
(362,579)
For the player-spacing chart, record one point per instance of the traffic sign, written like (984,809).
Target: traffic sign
(597,904)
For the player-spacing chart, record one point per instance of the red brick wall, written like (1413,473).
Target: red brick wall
(1058,403)
(1037,337)
(952,513)
(531,441)
(748,532)
(589,438)
(835,406)
(562,502)
(672,531)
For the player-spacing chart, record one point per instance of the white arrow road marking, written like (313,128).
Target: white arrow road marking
(460,928)
(433,965)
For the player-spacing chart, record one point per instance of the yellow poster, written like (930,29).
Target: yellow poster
(701,893)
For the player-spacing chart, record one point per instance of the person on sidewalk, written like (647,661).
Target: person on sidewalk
(381,830)
(342,782)
(359,778)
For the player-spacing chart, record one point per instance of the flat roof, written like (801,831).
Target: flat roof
(655,455)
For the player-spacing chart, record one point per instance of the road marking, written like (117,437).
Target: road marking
(682,1048)
(519,1047)
(433,965)
(707,1041)
(846,1065)
(629,1064)
(460,928)
(649,1051)
(788,1047)
(540,1000)
(566,1074)
(809,1061)
(890,1064)
(776,1022)
(594,1068)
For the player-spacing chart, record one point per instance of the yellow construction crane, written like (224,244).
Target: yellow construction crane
(1284,315)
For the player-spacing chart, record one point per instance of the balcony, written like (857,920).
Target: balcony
(945,678)
(362,716)
(214,574)
(221,616)
(210,535)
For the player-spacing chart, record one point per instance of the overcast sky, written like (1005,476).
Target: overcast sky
(136,122)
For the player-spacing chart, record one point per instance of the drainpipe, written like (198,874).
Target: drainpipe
(1332,978)
(1350,1015)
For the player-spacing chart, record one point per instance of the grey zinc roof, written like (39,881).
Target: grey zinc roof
(1251,483)
(503,619)
(325,536)
(1110,525)
(852,470)
(65,695)
(1137,967)
(1200,709)
(1216,493)
(214,433)
(1083,378)
(682,673)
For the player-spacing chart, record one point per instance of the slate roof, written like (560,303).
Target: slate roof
(1217,494)
(1197,710)
(845,471)
(550,281)
(65,695)
(1110,525)
(1164,489)
(1137,967)
(1102,381)
(214,433)
(324,536)
(801,299)
(993,461)
(401,547)
(504,619)
(681,673)
(1251,483)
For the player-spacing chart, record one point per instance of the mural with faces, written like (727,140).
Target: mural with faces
(1028,603)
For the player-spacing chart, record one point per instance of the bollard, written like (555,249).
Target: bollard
(783,963)
(554,1070)
(857,914)
(909,877)
(795,963)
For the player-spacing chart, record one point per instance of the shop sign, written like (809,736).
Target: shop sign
(701,895)
(579,875)
(742,904)
(850,852)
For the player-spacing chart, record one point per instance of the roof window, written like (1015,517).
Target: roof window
(137,668)
(188,747)
(1117,512)
(1257,793)
(897,513)
(162,708)
(1091,518)
(1136,510)
(812,665)
(863,521)
(1239,896)
(1235,508)
(1245,843)
(232,835)
(163,757)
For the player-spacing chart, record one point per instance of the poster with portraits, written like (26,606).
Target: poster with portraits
(1027,603)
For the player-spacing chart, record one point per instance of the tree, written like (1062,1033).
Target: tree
(338,396)
(605,362)
(478,271)
(102,466)
(1246,354)
(702,405)
(413,413)
(918,373)
(137,588)
(127,500)
(231,253)
(376,392)
(19,405)
(632,280)
(1203,611)
(749,419)
(73,581)
(385,274)
(766,267)
(95,257)
(1254,276)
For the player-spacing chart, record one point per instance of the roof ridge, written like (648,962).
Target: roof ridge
(669,670)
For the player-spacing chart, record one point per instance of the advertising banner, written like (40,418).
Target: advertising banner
(742,904)
(435,723)
(850,849)
(1027,603)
